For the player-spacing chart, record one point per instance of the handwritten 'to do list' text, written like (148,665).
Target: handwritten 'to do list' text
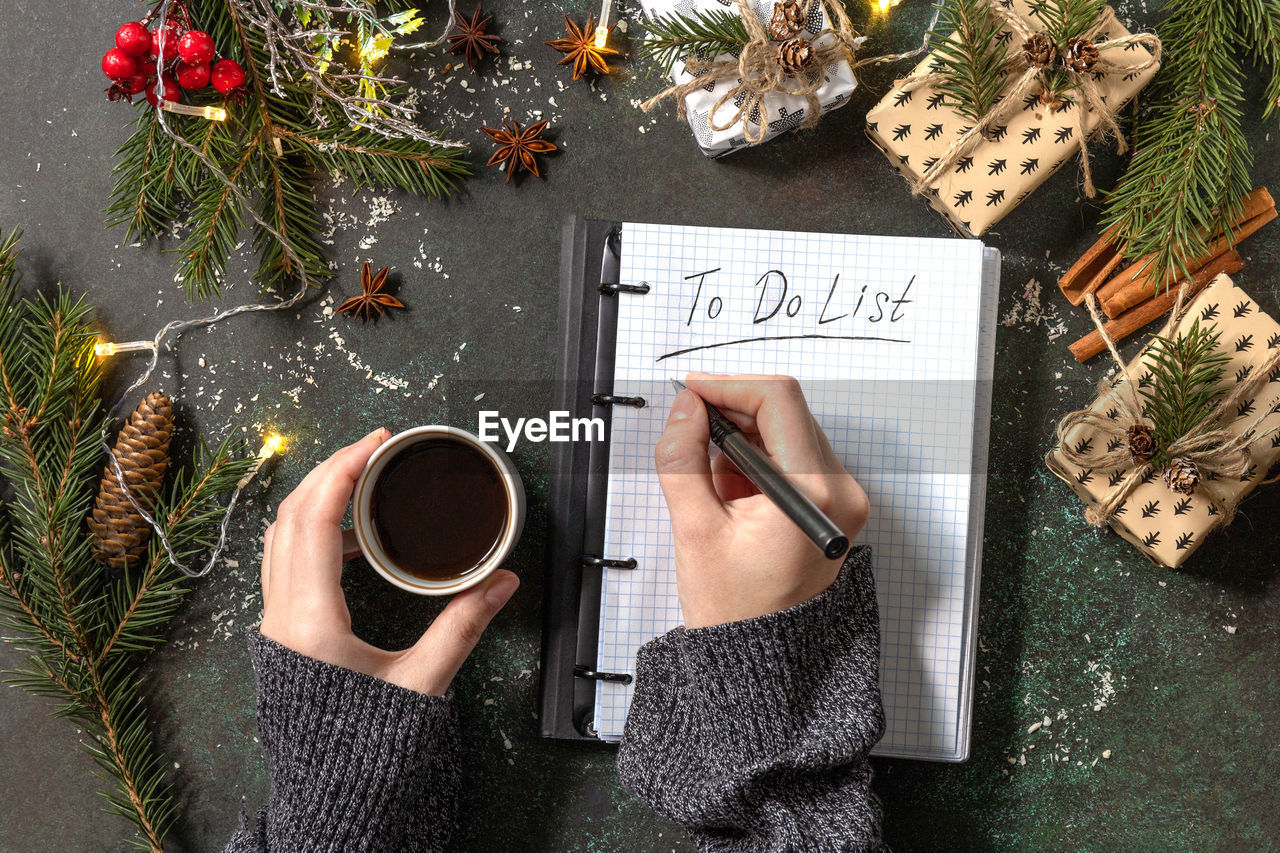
(779,313)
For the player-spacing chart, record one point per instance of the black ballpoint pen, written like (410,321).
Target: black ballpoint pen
(765,475)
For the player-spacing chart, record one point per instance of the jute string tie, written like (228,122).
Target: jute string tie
(1211,447)
(1077,58)
(759,73)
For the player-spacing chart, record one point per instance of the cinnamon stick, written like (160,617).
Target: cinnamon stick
(1093,269)
(1135,318)
(1135,283)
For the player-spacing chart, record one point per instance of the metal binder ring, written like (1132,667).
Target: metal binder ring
(580,671)
(606,563)
(612,400)
(612,287)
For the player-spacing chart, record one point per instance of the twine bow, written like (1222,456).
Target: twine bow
(758,72)
(1212,448)
(1077,59)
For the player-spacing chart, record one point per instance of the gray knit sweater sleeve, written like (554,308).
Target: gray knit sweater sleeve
(754,735)
(356,763)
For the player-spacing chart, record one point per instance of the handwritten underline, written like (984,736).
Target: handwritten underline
(783,338)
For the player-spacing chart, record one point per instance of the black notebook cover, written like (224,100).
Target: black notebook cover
(589,256)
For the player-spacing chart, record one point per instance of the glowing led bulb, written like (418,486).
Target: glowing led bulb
(602,31)
(211,113)
(107,348)
(271,445)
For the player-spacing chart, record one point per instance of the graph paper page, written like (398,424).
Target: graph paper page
(882,333)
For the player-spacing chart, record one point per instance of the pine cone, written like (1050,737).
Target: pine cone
(787,20)
(1040,51)
(1182,476)
(1080,55)
(1142,443)
(118,534)
(794,55)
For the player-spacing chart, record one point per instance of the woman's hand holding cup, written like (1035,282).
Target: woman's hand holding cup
(303,604)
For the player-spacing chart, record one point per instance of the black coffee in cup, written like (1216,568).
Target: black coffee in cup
(439,508)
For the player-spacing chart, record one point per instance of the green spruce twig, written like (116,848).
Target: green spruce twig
(707,34)
(1190,172)
(1064,20)
(971,59)
(1186,374)
(84,634)
(271,147)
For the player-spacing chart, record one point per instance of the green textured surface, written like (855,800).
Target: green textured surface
(1190,711)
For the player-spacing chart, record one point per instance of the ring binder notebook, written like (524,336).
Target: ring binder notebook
(630,301)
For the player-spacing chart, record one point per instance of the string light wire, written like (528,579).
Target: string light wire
(175,328)
(910,54)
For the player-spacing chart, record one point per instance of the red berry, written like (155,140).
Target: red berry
(171,38)
(168,89)
(196,48)
(227,75)
(134,39)
(117,64)
(135,84)
(191,77)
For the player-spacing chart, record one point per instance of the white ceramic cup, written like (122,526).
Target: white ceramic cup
(367,536)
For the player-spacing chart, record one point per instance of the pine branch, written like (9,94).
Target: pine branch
(971,60)
(386,163)
(707,34)
(1186,372)
(1067,19)
(157,180)
(1190,172)
(80,631)
(143,200)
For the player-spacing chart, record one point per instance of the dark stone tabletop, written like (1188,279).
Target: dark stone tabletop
(1169,673)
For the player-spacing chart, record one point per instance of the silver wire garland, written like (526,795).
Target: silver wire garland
(176,327)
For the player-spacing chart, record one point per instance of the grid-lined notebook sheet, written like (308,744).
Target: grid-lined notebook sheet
(884,335)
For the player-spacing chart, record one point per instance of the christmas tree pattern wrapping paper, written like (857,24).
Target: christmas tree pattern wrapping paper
(1027,145)
(779,112)
(1166,525)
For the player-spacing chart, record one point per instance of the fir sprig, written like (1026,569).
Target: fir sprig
(1067,19)
(1186,375)
(1064,20)
(706,33)
(1190,173)
(271,146)
(84,634)
(971,59)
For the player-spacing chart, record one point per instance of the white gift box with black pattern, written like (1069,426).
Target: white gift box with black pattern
(778,112)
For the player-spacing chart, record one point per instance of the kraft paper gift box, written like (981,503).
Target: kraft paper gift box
(1027,145)
(779,112)
(1166,525)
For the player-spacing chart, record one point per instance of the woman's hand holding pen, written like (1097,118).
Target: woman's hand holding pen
(737,554)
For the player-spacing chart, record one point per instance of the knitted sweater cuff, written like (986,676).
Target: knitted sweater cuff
(718,711)
(356,763)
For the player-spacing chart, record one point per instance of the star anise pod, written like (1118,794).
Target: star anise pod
(471,40)
(372,302)
(580,48)
(517,146)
